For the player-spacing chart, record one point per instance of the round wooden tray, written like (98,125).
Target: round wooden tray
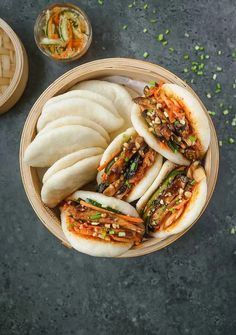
(134,69)
(15,76)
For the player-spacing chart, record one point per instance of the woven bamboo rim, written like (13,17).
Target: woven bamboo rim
(16,77)
(131,68)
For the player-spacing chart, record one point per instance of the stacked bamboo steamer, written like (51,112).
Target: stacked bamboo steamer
(13,67)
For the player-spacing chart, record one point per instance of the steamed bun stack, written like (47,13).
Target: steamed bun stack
(74,129)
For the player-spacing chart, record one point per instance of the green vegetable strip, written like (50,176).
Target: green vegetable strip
(171,176)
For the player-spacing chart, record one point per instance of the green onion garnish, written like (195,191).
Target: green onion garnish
(192,138)
(95,216)
(152,83)
(125,27)
(145,30)
(146,54)
(231,140)
(160,37)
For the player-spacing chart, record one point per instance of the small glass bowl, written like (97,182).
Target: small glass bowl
(39,33)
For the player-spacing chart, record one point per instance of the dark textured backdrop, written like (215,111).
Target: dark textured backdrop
(187,288)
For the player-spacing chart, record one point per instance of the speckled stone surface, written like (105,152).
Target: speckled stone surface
(187,288)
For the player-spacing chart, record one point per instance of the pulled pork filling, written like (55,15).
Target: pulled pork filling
(127,168)
(167,120)
(92,220)
(168,203)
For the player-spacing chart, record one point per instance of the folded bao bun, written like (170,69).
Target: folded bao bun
(75,120)
(92,244)
(194,114)
(80,107)
(70,177)
(150,173)
(70,160)
(56,143)
(85,94)
(192,202)
(114,92)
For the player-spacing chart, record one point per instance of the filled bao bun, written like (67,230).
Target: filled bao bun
(100,226)
(68,174)
(47,148)
(174,200)
(173,123)
(128,167)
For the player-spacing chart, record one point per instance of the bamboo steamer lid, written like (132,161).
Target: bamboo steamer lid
(13,67)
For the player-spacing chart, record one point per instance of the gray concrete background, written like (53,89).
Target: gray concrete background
(187,288)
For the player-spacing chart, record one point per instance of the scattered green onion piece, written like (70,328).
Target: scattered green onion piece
(164,43)
(214,76)
(207,56)
(233,123)
(171,49)
(199,73)
(231,140)
(232,231)
(125,27)
(100,2)
(186,34)
(220,143)
(196,47)
(130,5)
(211,113)
(186,56)
(219,52)
(208,95)
(185,70)
(146,54)
(145,30)
(153,20)
(160,37)
(167,31)
(234,54)
(218,68)
(226,112)
(145,6)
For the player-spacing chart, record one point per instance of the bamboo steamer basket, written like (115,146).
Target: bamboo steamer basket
(13,67)
(134,69)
